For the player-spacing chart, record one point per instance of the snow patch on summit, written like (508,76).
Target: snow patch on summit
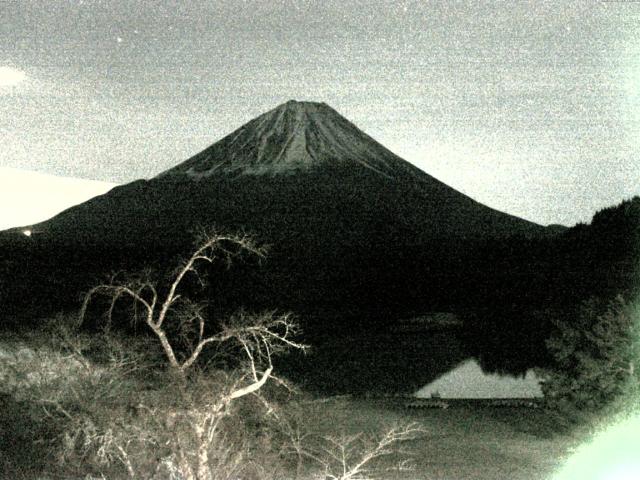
(294,137)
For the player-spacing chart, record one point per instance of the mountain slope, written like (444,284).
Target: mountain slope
(302,161)
(352,227)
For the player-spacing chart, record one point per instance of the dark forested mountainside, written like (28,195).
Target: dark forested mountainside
(528,283)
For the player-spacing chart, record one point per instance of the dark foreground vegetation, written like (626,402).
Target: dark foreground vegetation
(156,407)
(154,379)
(77,405)
(505,289)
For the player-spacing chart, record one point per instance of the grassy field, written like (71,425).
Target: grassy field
(460,442)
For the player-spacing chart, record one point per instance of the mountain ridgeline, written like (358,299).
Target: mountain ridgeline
(357,236)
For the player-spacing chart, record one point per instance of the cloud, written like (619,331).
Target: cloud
(28,197)
(10,76)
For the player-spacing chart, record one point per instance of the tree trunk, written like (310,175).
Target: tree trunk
(185,467)
(204,470)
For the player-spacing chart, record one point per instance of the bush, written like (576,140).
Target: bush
(63,391)
(596,357)
(106,405)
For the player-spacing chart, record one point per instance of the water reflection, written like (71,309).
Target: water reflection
(381,363)
(468,380)
(404,363)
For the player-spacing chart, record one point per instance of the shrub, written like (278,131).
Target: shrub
(596,357)
(105,405)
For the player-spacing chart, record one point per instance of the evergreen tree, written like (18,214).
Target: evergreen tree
(596,355)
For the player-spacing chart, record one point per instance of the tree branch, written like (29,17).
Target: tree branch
(253,387)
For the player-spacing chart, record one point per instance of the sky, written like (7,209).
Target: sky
(530,107)
(40,196)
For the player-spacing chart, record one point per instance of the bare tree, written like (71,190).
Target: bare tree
(261,334)
(342,456)
(258,336)
(350,457)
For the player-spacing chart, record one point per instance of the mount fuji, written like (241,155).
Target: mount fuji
(351,226)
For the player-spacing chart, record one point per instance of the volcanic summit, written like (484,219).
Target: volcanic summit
(294,137)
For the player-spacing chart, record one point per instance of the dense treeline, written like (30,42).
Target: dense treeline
(531,283)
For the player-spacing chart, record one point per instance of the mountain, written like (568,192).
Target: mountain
(354,229)
(300,162)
